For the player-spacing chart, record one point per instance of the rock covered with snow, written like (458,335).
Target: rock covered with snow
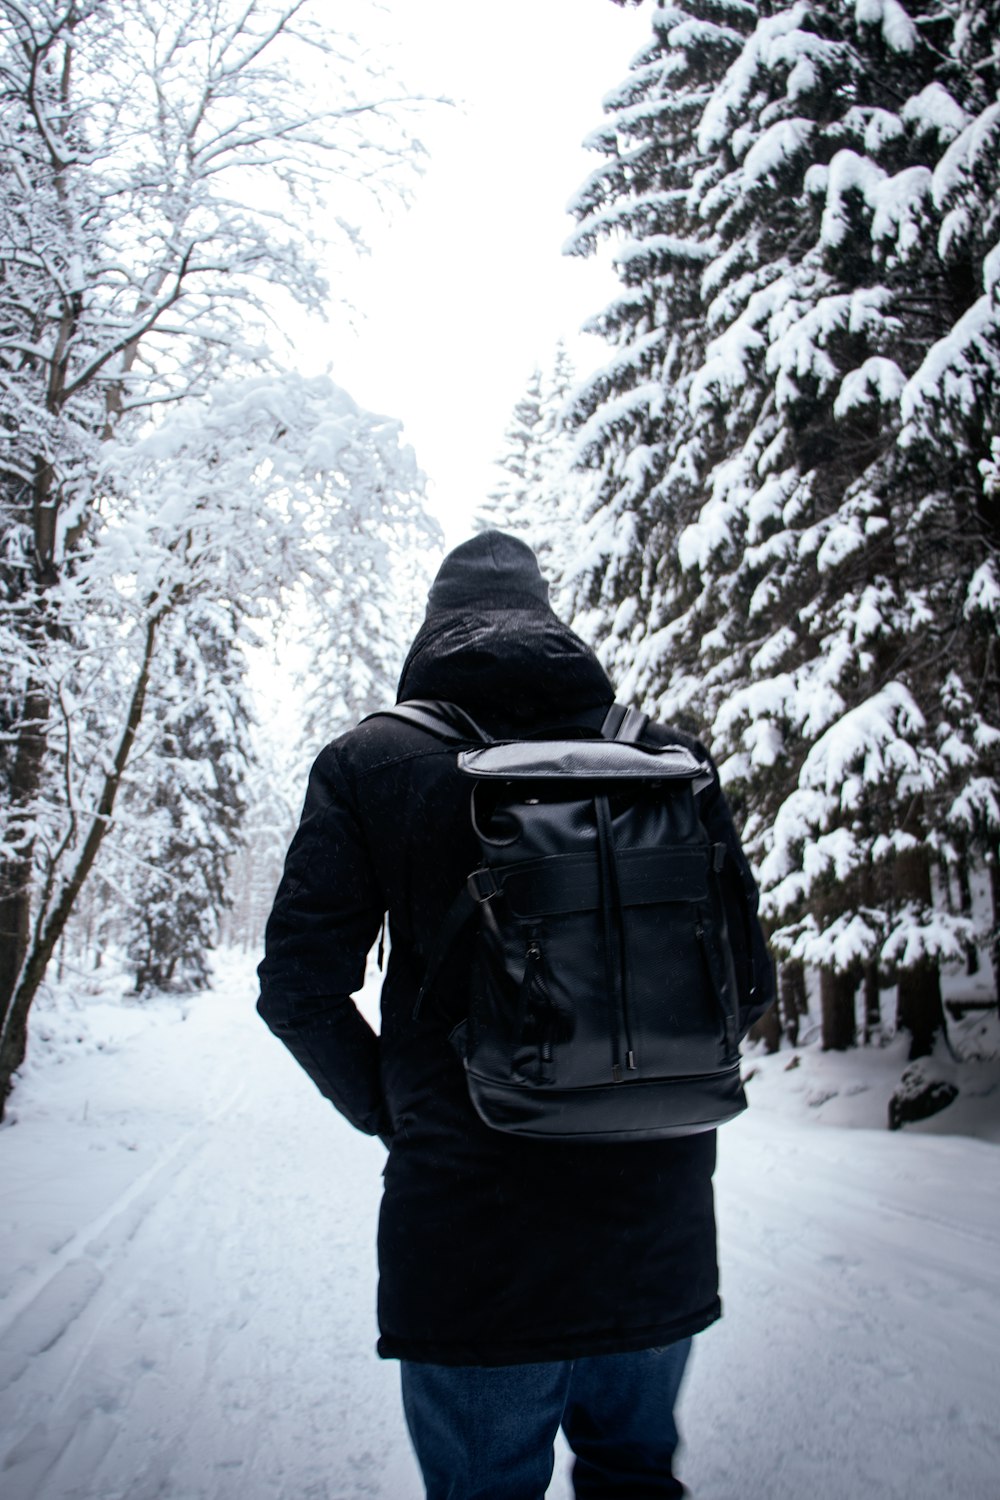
(919,1095)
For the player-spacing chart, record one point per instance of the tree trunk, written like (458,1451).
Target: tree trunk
(919,1010)
(965,894)
(767,1029)
(873,1003)
(16,875)
(51,925)
(836,998)
(993,863)
(792,998)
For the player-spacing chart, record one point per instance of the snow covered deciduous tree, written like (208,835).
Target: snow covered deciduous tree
(830,610)
(165,169)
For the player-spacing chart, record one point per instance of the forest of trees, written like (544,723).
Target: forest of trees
(166,485)
(791,542)
(774,508)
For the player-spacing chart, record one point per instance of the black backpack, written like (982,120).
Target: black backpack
(603,1001)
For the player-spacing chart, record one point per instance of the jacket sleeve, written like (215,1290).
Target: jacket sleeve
(326,915)
(757,983)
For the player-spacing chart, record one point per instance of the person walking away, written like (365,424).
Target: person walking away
(524,1283)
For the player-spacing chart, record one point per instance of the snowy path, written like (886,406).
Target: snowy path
(188,1293)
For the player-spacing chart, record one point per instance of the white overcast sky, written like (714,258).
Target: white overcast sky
(468,290)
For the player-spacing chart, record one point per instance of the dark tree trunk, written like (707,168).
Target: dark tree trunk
(17,875)
(919,1010)
(792,998)
(965,894)
(993,864)
(767,1029)
(873,1003)
(836,996)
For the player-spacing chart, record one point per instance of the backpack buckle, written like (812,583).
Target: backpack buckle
(477,886)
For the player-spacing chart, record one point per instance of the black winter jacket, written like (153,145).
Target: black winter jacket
(493,1249)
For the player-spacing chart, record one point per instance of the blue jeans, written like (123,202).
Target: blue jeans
(486,1433)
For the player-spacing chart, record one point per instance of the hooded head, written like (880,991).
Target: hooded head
(488,572)
(491,642)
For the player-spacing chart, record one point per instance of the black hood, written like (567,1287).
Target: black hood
(517,664)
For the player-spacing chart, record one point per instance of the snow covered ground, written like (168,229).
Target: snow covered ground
(187,1280)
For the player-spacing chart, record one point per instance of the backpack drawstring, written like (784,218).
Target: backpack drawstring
(615,940)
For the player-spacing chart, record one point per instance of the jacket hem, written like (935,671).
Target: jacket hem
(577,1346)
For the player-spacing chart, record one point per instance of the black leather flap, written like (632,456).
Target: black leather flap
(583,760)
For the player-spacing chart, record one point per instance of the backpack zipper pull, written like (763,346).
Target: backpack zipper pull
(533,959)
(532,955)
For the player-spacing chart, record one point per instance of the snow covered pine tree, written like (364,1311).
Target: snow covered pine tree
(539,494)
(186,815)
(829,615)
(632,419)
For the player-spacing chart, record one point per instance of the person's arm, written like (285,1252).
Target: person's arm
(326,915)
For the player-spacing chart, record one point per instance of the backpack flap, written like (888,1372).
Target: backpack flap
(585,760)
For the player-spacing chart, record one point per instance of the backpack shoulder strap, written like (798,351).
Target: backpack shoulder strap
(454,726)
(621,723)
(446,721)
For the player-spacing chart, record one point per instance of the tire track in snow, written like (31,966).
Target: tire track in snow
(43,1309)
(57,1317)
